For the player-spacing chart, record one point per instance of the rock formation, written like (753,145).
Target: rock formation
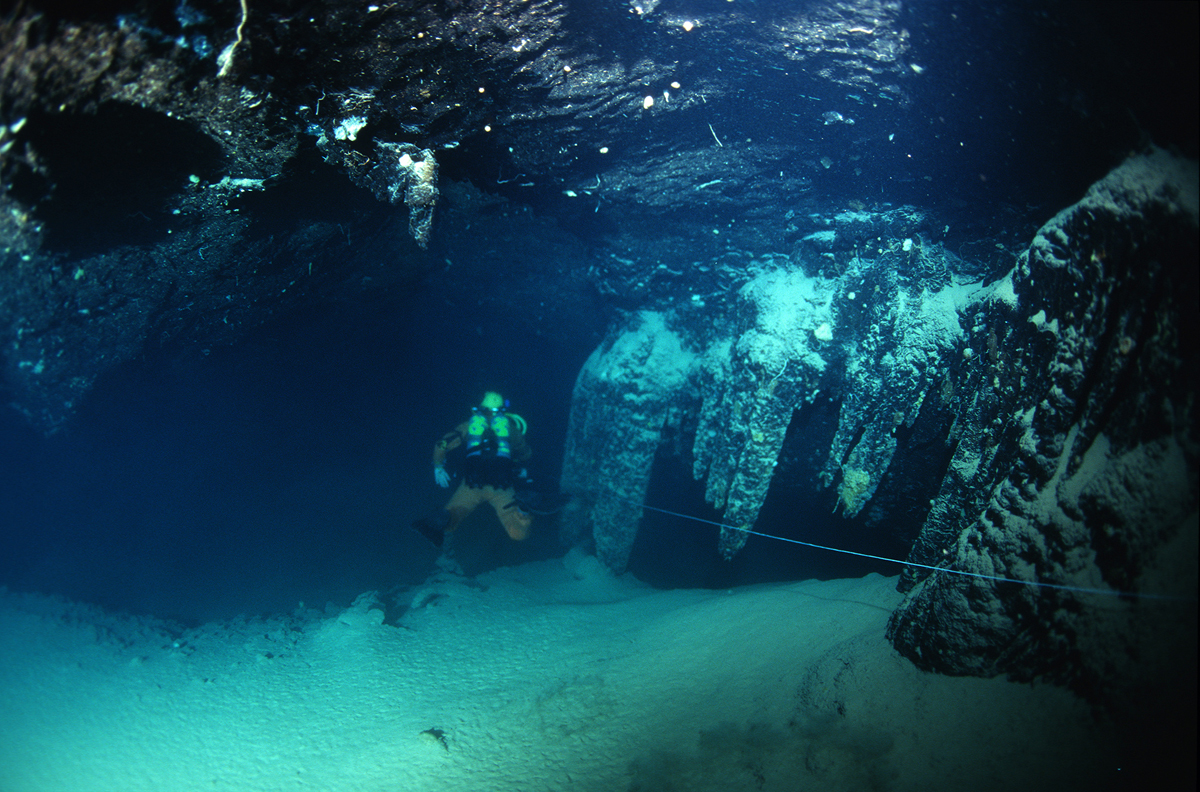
(1060,396)
(865,312)
(1076,448)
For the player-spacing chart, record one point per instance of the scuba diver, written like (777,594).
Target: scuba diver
(492,470)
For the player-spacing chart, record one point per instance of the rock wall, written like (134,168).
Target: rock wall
(1040,424)
(628,391)
(864,312)
(1076,450)
(750,385)
(177,173)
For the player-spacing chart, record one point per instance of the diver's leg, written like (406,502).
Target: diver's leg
(462,502)
(436,527)
(515,521)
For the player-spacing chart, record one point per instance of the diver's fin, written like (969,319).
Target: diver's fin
(433,528)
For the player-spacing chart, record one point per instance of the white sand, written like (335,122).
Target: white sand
(550,676)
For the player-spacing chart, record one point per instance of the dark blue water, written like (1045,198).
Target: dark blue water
(286,468)
(201,485)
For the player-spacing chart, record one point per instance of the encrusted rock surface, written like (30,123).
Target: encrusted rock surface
(165,149)
(1039,425)
(627,393)
(870,321)
(176,173)
(1076,449)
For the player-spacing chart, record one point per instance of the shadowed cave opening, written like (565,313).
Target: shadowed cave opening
(674,552)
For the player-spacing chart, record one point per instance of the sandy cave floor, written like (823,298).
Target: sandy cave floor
(549,676)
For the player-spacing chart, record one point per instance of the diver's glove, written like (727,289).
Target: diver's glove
(441,476)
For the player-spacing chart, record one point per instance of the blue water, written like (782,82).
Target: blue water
(206,483)
(287,468)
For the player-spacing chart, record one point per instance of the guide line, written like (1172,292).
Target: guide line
(964,573)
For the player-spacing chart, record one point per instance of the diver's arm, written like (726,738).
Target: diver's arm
(450,441)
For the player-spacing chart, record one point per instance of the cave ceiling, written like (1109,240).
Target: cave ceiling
(175,173)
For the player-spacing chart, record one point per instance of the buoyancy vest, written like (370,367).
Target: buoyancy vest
(488,435)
